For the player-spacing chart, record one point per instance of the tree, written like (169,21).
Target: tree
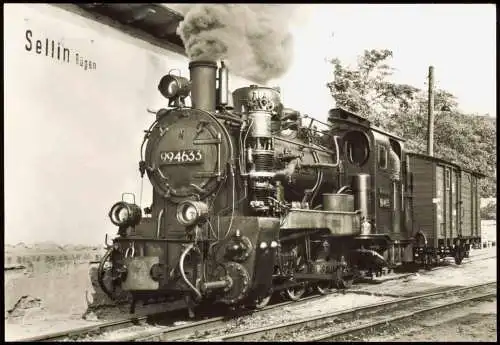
(489,212)
(465,139)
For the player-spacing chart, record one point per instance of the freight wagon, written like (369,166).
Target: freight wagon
(444,209)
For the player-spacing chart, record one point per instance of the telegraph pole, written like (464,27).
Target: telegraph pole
(430,111)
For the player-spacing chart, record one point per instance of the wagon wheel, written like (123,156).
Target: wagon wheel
(424,259)
(458,259)
(344,277)
(427,262)
(459,253)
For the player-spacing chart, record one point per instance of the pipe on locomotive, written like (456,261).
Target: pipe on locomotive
(183,274)
(223,90)
(361,187)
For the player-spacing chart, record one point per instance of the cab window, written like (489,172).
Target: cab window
(357,147)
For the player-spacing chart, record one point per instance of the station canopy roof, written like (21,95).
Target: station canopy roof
(158,20)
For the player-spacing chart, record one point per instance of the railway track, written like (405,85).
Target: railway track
(190,327)
(94,330)
(165,318)
(345,325)
(195,329)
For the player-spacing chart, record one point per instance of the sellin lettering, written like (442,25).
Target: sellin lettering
(50,47)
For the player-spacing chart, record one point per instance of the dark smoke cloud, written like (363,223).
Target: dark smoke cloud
(253,39)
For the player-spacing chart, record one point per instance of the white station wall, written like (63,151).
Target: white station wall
(74,124)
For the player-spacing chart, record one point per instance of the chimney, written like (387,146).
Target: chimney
(203,84)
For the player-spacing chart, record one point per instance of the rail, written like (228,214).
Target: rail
(309,325)
(190,327)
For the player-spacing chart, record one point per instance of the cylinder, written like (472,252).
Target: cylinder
(361,188)
(223,85)
(203,84)
(338,202)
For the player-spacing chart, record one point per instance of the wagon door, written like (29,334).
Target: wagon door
(466,211)
(476,220)
(440,202)
(454,214)
(450,211)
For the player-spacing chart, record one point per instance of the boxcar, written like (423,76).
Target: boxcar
(443,205)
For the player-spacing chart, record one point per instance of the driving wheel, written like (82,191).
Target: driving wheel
(261,302)
(325,287)
(344,277)
(296,292)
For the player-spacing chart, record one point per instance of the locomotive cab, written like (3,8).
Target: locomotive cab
(372,168)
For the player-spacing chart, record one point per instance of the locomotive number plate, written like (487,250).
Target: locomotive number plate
(181,157)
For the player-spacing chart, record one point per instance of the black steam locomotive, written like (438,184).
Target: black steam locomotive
(251,198)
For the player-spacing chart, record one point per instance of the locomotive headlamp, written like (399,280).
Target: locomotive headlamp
(191,212)
(171,86)
(125,214)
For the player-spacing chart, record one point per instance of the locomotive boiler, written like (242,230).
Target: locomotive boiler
(251,197)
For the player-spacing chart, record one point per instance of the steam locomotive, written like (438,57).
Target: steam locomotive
(251,198)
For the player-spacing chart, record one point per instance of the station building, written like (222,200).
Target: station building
(78,82)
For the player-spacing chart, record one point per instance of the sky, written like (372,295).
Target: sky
(458,40)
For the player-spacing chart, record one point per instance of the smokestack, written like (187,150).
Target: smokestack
(203,84)
(430,111)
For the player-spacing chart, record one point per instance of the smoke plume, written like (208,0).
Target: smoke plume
(253,39)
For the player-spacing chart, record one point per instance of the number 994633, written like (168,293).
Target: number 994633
(181,157)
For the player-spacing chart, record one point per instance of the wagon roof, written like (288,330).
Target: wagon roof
(440,160)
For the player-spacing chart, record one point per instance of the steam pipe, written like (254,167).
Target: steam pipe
(319,165)
(289,170)
(343,189)
(183,274)
(229,118)
(316,148)
(159,223)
